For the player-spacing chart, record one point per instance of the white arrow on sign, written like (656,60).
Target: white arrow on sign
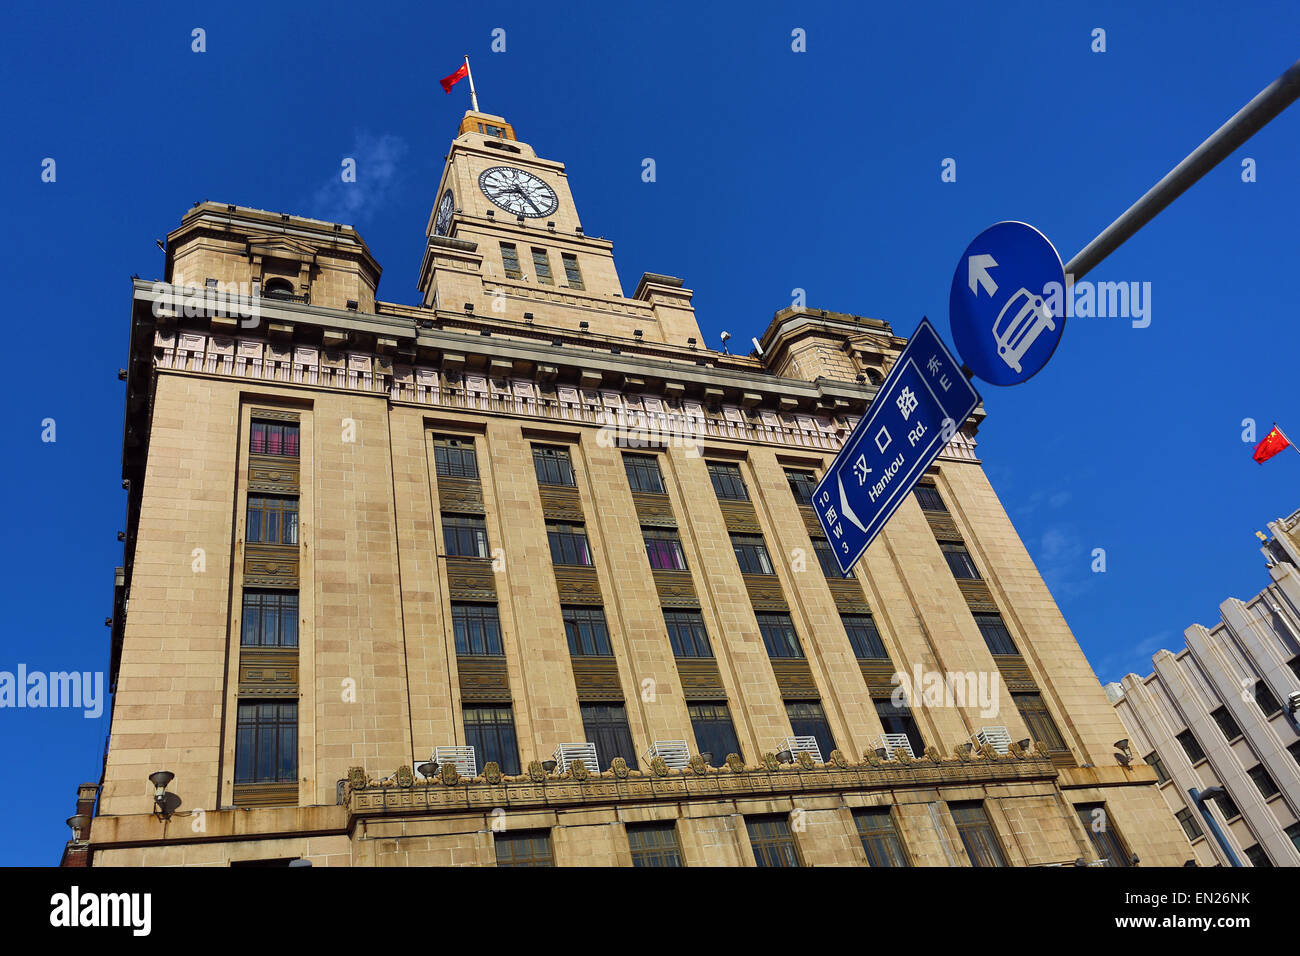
(844,506)
(977,271)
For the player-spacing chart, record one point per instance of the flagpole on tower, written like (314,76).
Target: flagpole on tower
(473,95)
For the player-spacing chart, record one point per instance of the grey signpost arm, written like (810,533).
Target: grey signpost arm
(1252,117)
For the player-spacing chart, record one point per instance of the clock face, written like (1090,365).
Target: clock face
(445,209)
(518,192)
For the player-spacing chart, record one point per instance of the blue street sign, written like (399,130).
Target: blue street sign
(925,399)
(1000,305)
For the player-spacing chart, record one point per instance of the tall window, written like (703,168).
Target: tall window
(687,634)
(270,619)
(454,458)
(898,719)
(1153,761)
(266,741)
(1264,698)
(727,481)
(880,837)
(826,557)
(510,260)
(1039,720)
(1189,823)
(959,561)
(477,630)
(654,844)
(807,719)
(1227,806)
(977,834)
(1257,856)
(802,484)
(995,633)
(572,274)
(779,635)
(272,519)
(1191,746)
(1294,751)
(865,637)
(928,497)
(464,536)
(490,730)
(568,544)
(664,549)
(606,726)
(553,466)
(1103,833)
(1293,834)
(524,848)
(1226,724)
(714,732)
(751,554)
(586,630)
(643,474)
(1267,788)
(274,438)
(542,266)
(772,841)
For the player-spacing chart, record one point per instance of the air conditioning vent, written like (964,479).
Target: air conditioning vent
(803,745)
(462,758)
(675,753)
(566,754)
(996,737)
(892,742)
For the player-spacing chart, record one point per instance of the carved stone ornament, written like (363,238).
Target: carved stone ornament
(698,766)
(578,770)
(872,758)
(987,751)
(932,754)
(619,766)
(962,754)
(404,776)
(902,755)
(805,760)
(1040,750)
(735,764)
(450,775)
(357,778)
(658,767)
(535,772)
(770,763)
(492,772)
(1017,751)
(838,759)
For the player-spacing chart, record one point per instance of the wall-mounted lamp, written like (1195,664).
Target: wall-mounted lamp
(638,333)
(1122,745)
(1024,744)
(163,802)
(352,305)
(549,766)
(427,770)
(78,823)
(584,325)
(691,342)
(785,756)
(707,757)
(469,306)
(550,225)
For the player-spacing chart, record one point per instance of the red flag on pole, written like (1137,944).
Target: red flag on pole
(449,81)
(1273,443)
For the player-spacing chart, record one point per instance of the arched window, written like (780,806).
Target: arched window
(874,377)
(278,289)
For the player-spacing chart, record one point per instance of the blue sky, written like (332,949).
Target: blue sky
(776,170)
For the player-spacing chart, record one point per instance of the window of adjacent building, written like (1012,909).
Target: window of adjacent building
(477,630)
(524,848)
(1227,806)
(977,834)
(1190,826)
(687,634)
(995,634)
(553,466)
(643,474)
(880,837)
(751,554)
(270,619)
(274,438)
(826,557)
(865,637)
(568,544)
(1294,664)
(572,274)
(454,458)
(542,266)
(808,719)
(1191,747)
(664,548)
(272,519)
(1294,751)
(490,730)
(606,726)
(464,536)
(898,719)
(772,841)
(959,561)
(1257,856)
(654,844)
(779,636)
(1268,704)
(1293,833)
(1042,728)
(929,499)
(1226,724)
(266,741)
(1103,834)
(586,630)
(510,260)
(1267,788)
(802,484)
(728,483)
(1153,761)
(714,732)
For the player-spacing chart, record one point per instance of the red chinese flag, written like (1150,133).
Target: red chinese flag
(449,81)
(1273,443)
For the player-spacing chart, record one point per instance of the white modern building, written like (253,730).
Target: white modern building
(1221,714)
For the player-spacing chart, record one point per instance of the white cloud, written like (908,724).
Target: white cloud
(378,165)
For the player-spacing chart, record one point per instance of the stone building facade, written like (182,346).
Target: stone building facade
(1222,713)
(540,518)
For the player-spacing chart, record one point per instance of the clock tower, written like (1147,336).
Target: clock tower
(504,237)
